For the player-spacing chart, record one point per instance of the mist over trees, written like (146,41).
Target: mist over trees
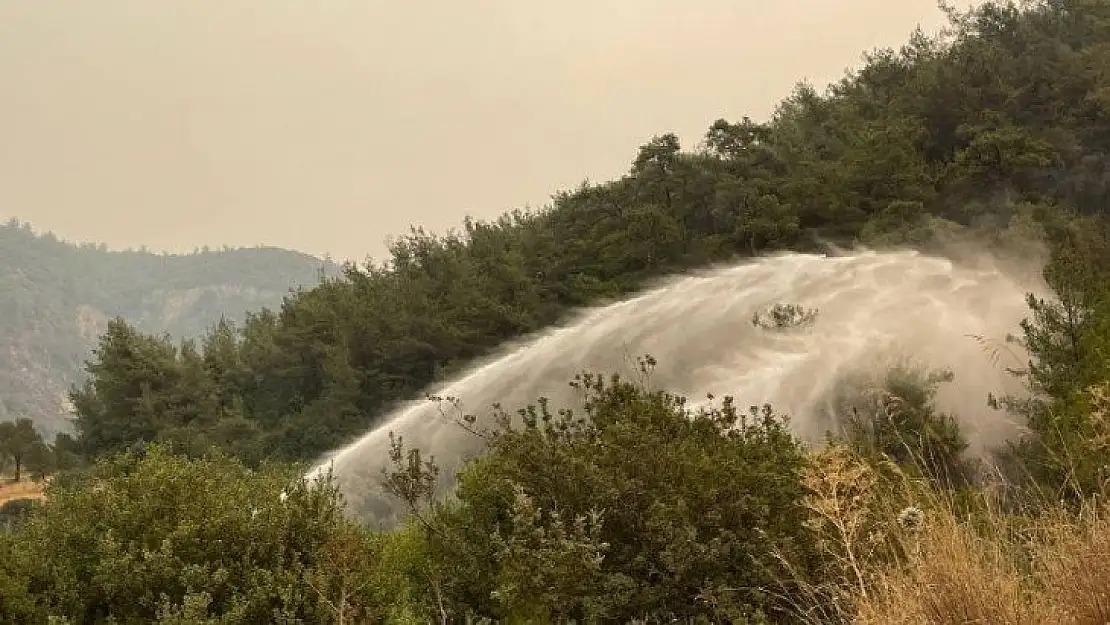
(187,509)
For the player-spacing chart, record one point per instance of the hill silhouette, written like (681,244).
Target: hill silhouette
(56,297)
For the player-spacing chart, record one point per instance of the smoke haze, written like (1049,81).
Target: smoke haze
(328,126)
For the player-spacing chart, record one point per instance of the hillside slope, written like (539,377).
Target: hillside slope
(57,297)
(1001,125)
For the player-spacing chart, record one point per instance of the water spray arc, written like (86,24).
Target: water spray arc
(872,306)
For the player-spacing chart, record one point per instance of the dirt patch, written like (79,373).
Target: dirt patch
(24,489)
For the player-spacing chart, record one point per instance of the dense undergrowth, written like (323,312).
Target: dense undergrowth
(628,506)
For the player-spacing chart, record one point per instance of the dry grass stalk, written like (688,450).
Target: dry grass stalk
(953,576)
(1072,566)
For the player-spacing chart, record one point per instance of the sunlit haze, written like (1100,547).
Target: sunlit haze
(330,126)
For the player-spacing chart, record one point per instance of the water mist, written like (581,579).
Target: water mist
(873,307)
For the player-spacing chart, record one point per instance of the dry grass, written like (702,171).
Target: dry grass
(902,555)
(24,489)
(951,572)
(953,575)
(1072,565)
(843,493)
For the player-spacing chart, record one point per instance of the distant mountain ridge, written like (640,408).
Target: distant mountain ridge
(56,297)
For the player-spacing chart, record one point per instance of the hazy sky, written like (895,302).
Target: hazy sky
(329,125)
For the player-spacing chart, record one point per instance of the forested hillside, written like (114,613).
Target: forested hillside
(642,510)
(56,298)
(1007,119)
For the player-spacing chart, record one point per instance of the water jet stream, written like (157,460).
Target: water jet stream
(872,306)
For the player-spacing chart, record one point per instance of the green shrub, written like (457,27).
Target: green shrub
(138,539)
(636,508)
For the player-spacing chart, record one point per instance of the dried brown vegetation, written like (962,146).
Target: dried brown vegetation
(910,554)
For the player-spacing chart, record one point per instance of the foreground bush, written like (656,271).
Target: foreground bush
(635,508)
(159,538)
